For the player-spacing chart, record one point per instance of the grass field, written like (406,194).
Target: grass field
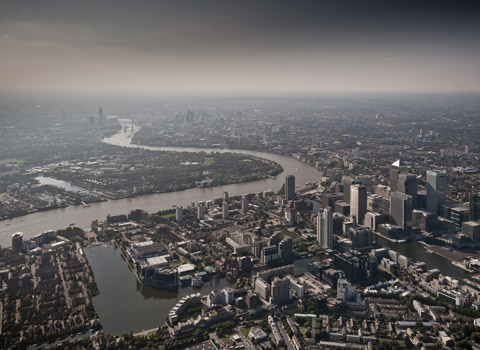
(208,161)
(12,161)
(245,331)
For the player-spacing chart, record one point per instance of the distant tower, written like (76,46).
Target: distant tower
(100,115)
(325,228)
(358,202)
(401,211)
(225,196)
(179,214)
(436,189)
(17,242)
(244,204)
(224,210)
(200,211)
(290,188)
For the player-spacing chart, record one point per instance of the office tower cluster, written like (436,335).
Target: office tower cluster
(410,204)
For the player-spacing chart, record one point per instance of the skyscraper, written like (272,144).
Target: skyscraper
(244,205)
(17,242)
(347,183)
(358,202)
(200,211)
(225,196)
(225,210)
(474,207)
(397,168)
(285,248)
(290,188)
(100,115)
(179,214)
(436,189)
(401,211)
(325,228)
(407,183)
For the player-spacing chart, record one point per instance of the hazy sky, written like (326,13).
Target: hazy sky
(150,46)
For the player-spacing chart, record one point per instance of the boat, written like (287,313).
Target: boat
(72,224)
(197,282)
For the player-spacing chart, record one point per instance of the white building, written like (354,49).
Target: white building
(220,297)
(325,228)
(345,291)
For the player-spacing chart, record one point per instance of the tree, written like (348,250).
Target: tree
(308,332)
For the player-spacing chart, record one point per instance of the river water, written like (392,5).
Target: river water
(35,223)
(123,304)
(67,186)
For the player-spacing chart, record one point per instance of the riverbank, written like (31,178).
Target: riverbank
(398,241)
(455,256)
(37,210)
(130,266)
(55,207)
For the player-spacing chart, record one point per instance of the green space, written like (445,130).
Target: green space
(12,161)
(245,331)
(226,339)
(208,161)
(164,215)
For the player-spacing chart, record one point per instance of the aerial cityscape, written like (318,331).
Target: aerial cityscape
(208,176)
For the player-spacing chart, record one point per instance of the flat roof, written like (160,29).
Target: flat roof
(206,345)
(471,223)
(185,268)
(142,244)
(157,260)
(258,332)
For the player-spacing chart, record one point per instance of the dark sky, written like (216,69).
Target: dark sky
(157,46)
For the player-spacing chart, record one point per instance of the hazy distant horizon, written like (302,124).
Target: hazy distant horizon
(286,47)
(164,96)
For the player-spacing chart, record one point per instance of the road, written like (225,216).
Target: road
(286,338)
(248,344)
(64,284)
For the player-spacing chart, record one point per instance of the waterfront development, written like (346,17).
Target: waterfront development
(125,305)
(82,217)
(225,260)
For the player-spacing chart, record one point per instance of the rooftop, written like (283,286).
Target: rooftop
(206,345)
